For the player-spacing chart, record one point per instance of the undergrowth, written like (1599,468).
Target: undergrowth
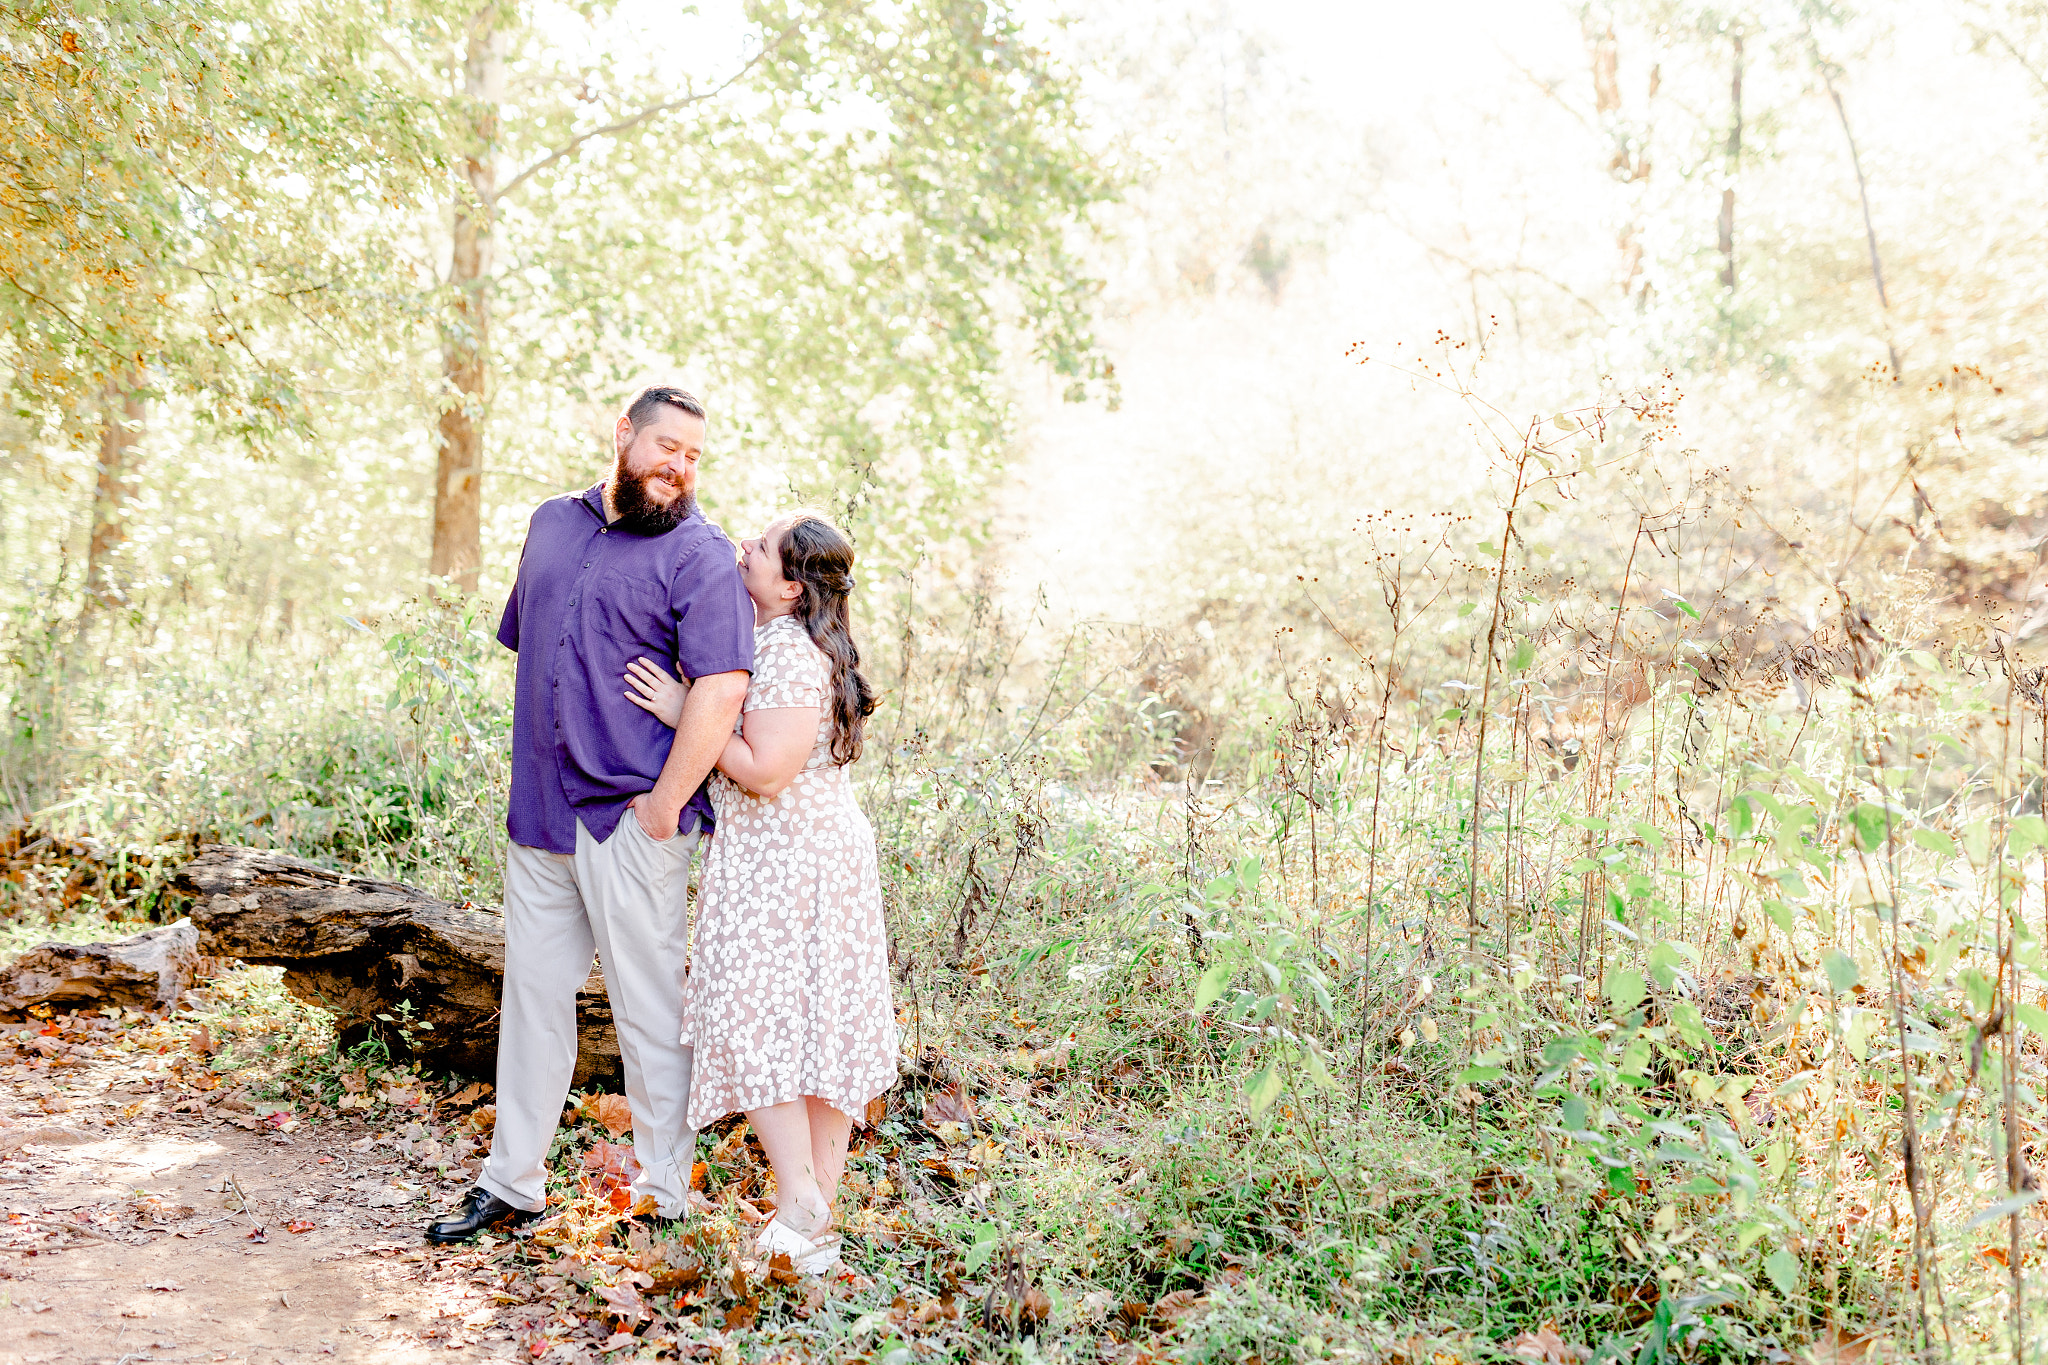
(1559,964)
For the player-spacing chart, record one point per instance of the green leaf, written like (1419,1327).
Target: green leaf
(1783,1268)
(1524,655)
(2028,832)
(1781,915)
(1871,823)
(1934,841)
(981,1246)
(1977,842)
(1741,819)
(1977,986)
(1625,990)
(1489,549)
(1665,964)
(1575,1113)
(1840,968)
(1691,1024)
(2033,1016)
(1473,1074)
(1262,1089)
(1686,607)
(2004,1208)
(1211,986)
(1466,609)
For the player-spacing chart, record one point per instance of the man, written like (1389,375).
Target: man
(607,805)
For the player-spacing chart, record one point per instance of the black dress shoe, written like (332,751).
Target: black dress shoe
(480,1209)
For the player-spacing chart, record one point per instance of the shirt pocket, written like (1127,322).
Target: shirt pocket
(633,612)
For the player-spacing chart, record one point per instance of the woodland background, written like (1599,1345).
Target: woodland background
(1457,597)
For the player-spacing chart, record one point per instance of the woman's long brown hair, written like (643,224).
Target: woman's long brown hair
(818,557)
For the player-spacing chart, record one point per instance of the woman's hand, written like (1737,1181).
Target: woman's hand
(650,688)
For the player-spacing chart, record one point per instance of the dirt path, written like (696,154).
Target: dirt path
(129,1233)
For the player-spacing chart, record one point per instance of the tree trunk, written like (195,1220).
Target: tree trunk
(1734,163)
(119,479)
(465,357)
(384,959)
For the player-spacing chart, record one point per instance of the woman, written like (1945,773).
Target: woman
(789,1010)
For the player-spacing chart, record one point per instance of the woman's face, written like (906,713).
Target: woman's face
(761,569)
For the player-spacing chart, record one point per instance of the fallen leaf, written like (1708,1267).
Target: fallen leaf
(670,1280)
(623,1302)
(482,1119)
(782,1270)
(468,1095)
(1837,1347)
(952,1105)
(877,1110)
(618,1341)
(615,1112)
(742,1314)
(1546,1345)
(257,1234)
(300,1225)
(165,1286)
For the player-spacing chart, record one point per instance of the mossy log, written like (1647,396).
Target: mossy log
(376,955)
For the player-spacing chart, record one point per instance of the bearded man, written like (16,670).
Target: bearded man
(607,803)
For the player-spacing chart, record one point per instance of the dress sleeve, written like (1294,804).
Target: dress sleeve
(789,671)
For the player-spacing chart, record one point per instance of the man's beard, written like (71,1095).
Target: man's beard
(639,512)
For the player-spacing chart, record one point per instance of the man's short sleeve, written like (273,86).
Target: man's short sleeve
(508,624)
(714,615)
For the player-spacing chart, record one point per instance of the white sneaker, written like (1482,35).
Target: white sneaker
(806,1256)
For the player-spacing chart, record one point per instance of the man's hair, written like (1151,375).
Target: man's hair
(644,404)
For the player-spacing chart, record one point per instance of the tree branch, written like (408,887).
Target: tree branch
(58,309)
(634,120)
(1884,302)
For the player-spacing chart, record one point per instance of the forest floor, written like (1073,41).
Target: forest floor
(210,1185)
(186,1231)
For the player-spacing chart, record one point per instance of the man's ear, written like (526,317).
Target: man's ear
(622,435)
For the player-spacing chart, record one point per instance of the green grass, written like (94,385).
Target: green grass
(1648,1099)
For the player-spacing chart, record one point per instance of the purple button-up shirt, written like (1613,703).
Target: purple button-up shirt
(590,598)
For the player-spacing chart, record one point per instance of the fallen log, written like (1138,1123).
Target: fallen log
(148,972)
(383,958)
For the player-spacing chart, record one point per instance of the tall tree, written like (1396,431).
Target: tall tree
(185,184)
(842,228)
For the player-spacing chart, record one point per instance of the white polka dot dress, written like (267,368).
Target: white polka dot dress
(789,986)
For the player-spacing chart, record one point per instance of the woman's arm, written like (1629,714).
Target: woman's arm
(772,747)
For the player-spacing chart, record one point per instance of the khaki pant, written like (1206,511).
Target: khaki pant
(624,900)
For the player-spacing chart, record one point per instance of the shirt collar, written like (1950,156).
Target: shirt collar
(593,499)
